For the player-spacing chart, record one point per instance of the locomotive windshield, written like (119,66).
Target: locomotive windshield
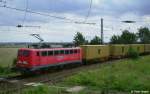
(24,53)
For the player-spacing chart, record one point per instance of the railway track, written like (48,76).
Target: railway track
(21,83)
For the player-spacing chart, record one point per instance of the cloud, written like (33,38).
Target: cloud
(56,30)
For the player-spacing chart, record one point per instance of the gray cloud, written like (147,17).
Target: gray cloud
(119,7)
(74,9)
(78,7)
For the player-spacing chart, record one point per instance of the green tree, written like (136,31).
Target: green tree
(128,37)
(79,39)
(96,40)
(144,35)
(115,39)
(125,38)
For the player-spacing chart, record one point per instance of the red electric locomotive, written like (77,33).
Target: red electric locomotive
(35,59)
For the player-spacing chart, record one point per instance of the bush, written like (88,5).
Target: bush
(5,70)
(14,62)
(133,53)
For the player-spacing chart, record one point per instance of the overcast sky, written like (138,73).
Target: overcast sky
(56,30)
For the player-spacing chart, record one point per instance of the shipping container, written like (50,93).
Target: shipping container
(95,52)
(118,50)
(147,48)
(138,47)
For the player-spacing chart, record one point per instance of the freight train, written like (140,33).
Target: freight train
(30,60)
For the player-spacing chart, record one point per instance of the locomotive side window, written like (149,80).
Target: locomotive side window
(56,52)
(44,53)
(71,51)
(78,51)
(38,53)
(75,51)
(66,51)
(50,53)
(62,52)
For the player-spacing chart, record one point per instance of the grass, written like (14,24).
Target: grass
(7,56)
(6,72)
(124,75)
(43,89)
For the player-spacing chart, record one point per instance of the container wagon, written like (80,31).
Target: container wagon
(138,47)
(118,51)
(147,48)
(95,53)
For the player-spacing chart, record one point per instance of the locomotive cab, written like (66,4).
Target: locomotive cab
(24,59)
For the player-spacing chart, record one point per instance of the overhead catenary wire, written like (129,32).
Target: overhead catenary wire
(89,11)
(26,10)
(24,17)
(3,2)
(59,17)
(45,14)
(25,14)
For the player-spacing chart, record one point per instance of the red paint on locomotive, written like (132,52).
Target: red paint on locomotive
(34,59)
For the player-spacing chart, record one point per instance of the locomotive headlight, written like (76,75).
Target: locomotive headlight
(24,62)
(19,62)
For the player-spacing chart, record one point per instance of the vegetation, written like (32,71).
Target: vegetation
(5,70)
(132,53)
(43,89)
(115,39)
(7,56)
(144,35)
(14,62)
(96,40)
(129,38)
(125,38)
(124,75)
(79,39)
